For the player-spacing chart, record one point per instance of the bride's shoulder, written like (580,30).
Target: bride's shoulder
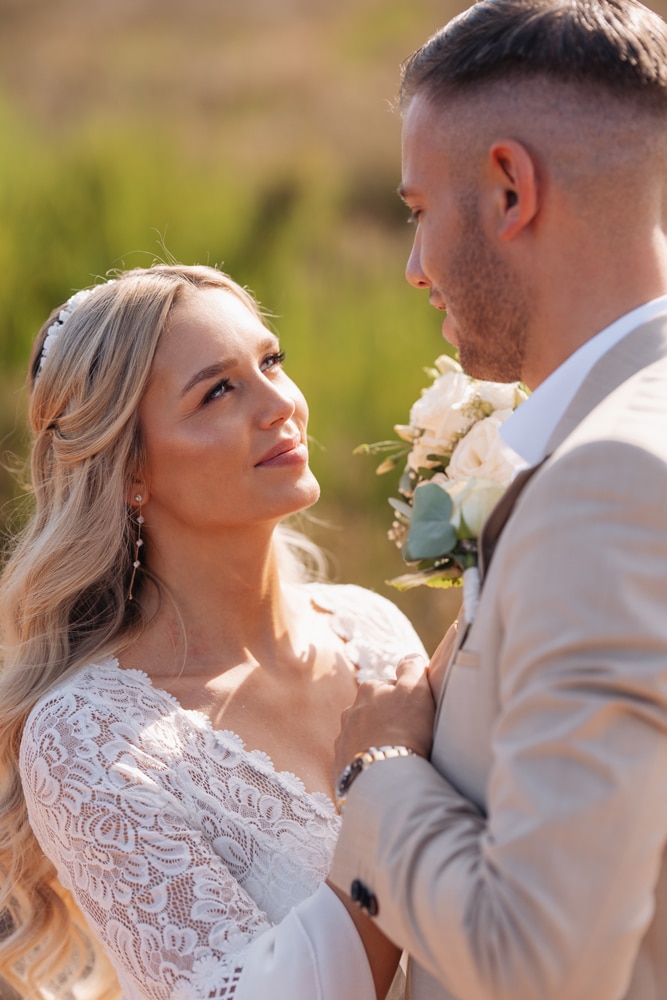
(364,616)
(336,596)
(99,689)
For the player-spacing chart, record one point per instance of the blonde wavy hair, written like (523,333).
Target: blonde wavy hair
(63,592)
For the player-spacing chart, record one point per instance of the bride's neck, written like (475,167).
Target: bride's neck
(221,605)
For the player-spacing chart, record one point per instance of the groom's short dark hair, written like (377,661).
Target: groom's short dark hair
(618,46)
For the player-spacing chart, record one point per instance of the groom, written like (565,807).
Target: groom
(523,856)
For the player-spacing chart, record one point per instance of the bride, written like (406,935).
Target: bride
(172,687)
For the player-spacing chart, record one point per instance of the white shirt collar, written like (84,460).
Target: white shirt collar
(529,428)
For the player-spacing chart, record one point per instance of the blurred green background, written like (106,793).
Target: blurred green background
(255,135)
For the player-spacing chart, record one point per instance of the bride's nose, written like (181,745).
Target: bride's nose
(278,404)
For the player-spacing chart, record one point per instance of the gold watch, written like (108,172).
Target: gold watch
(360,762)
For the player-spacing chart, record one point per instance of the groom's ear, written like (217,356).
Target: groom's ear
(513,177)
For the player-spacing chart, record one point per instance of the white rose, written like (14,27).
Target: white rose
(424,446)
(483,453)
(473,500)
(439,410)
(499,395)
(445,364)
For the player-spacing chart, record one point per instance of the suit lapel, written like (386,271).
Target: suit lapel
(495,522)
(638,349)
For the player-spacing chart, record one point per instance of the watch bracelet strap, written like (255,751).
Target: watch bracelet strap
(361,761)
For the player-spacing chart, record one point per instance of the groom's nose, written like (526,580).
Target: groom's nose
(413,271)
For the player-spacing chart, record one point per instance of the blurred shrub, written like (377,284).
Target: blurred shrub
(323,251)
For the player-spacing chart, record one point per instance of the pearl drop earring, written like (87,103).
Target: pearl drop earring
(138,542)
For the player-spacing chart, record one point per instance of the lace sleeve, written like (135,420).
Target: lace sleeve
(175,922)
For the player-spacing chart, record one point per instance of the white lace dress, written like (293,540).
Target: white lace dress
(198,866)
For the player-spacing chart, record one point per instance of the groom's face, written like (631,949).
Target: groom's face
(453,256)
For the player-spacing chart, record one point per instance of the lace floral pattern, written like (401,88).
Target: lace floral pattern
(180,845)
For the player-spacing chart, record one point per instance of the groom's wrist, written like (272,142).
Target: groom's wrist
(360,762)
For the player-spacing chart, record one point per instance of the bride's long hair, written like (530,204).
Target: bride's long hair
(63,593)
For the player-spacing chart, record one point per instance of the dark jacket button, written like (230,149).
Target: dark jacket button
(366,900)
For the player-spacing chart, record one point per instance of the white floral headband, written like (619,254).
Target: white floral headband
(54,330)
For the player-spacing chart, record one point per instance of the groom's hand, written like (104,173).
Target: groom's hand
(396,713)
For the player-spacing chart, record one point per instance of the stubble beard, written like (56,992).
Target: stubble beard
(492,310)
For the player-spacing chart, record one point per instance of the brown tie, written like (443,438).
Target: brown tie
(495,522)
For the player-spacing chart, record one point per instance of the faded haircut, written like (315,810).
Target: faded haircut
(617,47)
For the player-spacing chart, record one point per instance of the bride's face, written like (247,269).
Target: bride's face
(223,426)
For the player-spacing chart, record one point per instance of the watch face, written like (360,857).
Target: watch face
(349,774)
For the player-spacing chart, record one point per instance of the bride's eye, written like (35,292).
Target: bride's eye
(220,389)
(273,360)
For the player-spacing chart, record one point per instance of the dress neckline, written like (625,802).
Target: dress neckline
(258,758)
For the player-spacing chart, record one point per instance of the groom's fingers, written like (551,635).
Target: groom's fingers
(410,668)
(399,713)
(440,661)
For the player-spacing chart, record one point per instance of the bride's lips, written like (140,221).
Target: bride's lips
(289,451)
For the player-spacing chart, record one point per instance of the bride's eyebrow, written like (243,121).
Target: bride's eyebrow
(211,371)
(220,368)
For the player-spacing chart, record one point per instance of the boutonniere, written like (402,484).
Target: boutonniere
(455,469)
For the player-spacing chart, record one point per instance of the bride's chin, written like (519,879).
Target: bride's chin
(309,492)
(315,495)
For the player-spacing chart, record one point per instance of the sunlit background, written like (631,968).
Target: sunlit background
(257,135)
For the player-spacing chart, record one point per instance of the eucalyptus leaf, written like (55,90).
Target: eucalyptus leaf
(433,578)
(406,483)
(431,534)
(407,582)
(442,582)
(401,507)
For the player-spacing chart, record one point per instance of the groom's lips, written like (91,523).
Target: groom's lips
(446,328)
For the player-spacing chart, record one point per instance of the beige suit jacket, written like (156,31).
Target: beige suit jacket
(526,860)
